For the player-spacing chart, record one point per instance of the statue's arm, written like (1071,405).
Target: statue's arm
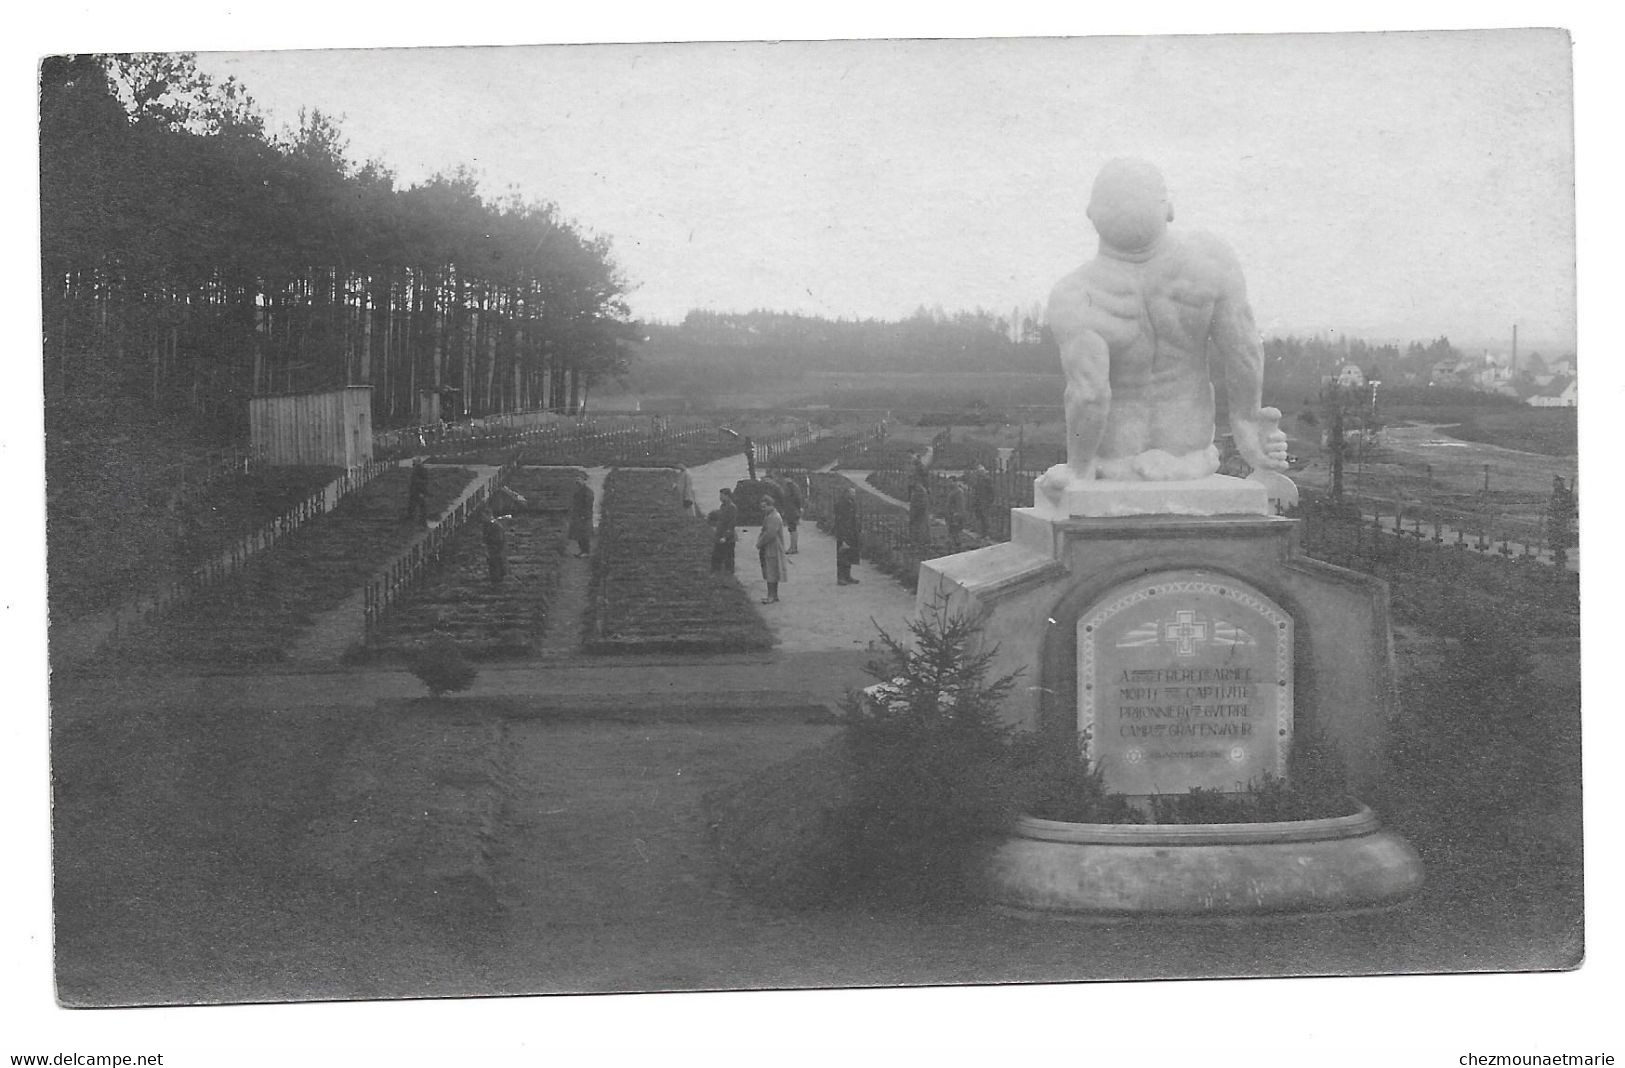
(1086,361)
(1256,428)
(1086,364)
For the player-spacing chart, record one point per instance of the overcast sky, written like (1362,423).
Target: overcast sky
(1387,184)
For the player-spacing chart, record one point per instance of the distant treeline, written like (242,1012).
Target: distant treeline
(192,258)
(780,343)
(714,353)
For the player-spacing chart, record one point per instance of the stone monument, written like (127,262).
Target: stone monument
(1161,611)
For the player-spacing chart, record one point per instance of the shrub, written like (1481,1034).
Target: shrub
(1059,783)
(1316,788)
(441,667)
(902,801)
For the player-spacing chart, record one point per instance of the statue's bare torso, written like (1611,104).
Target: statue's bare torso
(1155,317)
(1136,328)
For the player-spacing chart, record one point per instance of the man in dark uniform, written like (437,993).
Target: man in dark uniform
(496,546)
(954,511)
(847,535)
(417,493)
(981,497)
(724,536)
(581,503)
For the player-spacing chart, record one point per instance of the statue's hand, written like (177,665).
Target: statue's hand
(1261,441)
(1058,479)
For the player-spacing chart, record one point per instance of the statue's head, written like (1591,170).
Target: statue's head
(1129,204)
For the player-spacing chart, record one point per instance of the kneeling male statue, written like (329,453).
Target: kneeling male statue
(1135,325)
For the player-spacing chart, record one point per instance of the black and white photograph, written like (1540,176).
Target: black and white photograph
(1072,518)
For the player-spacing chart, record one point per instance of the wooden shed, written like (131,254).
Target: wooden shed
(332,428)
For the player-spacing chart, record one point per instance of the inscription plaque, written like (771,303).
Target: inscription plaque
(1185,679)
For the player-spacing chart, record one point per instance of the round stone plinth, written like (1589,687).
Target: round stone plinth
(1348,862)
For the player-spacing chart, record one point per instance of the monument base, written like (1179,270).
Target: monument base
(1313,653)
(1186,650)
(1328,865)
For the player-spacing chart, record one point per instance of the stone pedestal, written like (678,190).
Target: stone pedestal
(1227,604)
(1189,647)
(1214,495)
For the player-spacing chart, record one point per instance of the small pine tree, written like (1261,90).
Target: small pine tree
(442,668)
(933,771)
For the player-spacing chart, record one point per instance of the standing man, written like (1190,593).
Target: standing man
(770,549)
(417,493)
(581,502)
(954,512)
(496,546)
(847,535)
(981,497)
(685,489)
(918,473)
(724,536)
(790,498)
(919,514)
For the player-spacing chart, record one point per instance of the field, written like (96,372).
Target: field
(1549,431)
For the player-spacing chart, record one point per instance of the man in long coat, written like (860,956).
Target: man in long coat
(770,549)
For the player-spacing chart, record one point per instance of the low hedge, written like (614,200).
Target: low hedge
(653,589)
(460,605)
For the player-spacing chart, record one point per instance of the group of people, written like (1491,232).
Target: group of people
(776,541)
(778,538)
(501,504)
(969,498)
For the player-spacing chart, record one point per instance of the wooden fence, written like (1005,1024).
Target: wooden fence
(562,439)
(424,556)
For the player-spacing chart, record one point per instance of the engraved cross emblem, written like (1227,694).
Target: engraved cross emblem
(1186,631)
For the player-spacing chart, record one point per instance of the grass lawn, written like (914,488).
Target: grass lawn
(476,846)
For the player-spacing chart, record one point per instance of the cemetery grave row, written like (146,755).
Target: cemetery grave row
(259,614)
(459,603)
(1435,583)
(124,530)
(652,585)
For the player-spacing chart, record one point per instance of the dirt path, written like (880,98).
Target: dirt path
(813,613)
(561,638)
